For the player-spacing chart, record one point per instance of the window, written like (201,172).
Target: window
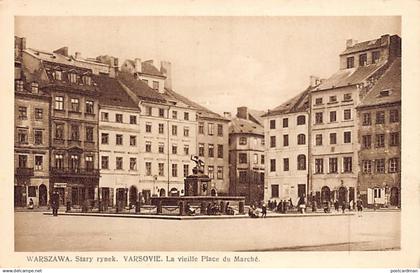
(242,141)
(285,164)
(186,132)
(350,62)
(73,77)
(272,165)
(89,107)
(174,149)
(59,131)
(243,159)
(210,171)
(74,129)
(385,93)
(133,140)
(380,117)
(255,158)
(161,169)
(347,137)
(119,163)
(333,138)
(87,80)
(367,120)
(219,172)
(38,137)
(161,130)
(367,166)
(133,163)
(105,116)
(38,162)
(376,193)
(174,114)
(145,81)
(23,112)
(301,159)
(318,101)
(200,149)
(243,177)
(148,127)
(186,149)
(366,141)
(105,162)
(333,165)
(318,118)
(301,139)
(274,191)
(393,165)
(333,99)
(347,114)
(119,139)
(161,148)
(262,160)
(104,138)
(347,162)
(219,150)
(74,105)
(58,75)
(379,141)
(394,139)
(119,118)
(174,130)
(363,59)
(19,86)
(375,56)
(155,85)
(89,134)
(148,111)
(23,161)
(59,161)
(148,168)
(319,165)
(380,165)
(89,162)
(186,170)
(186,116)
(285,140)
(174,170)
(347,97)
(318,139)
(38,113)
(201,128)
(34,87)
(285,122)
(148,146)
(272,141)
(74,162)
(394,116)
(333,116)
(161,112)
(133,119)
(301,120)
(210,129)
(219,129)
(273,124)
(211,150)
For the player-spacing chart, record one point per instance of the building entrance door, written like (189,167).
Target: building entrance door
(301,190)
(121,197)
(42,195)
(19,200)
(394,198)
(342,195)
(133,196)
(325,194)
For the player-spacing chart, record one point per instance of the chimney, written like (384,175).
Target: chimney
(137,65)
(62,51)
(77,55)
(166,70)
(350,43)
(242,112)
(227,115)
(314,81)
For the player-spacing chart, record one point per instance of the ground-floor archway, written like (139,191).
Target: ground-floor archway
(43,195)
(132,196)
(394,197)
(325,194)
(174,192)
(342,195)
(121,197)
(213,192)
(162,193)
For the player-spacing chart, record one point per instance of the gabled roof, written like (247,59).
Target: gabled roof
(140,89)
(390,80)
(239,125)
(112,93)
(299,103)
(147,68)
(362,46)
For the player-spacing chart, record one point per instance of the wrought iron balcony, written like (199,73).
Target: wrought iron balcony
(74,171)
(24,171)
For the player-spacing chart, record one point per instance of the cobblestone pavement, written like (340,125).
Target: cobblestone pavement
(367,231)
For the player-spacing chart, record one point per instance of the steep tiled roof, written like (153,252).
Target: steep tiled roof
(239,125)
(390,80)
(367,45)
(150,69)
(112,93)
(141,89)
(298,103)
(256,115)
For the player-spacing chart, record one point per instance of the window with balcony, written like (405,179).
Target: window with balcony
(59,161)
(104,138)
(219,150)
(23,114)
(119,163)
(133,140)
(89,107)
(333,165)
(74,105)
(211,150)
(89,162)
(104,162)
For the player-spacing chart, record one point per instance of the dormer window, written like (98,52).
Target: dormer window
(385,93)
(34,87)
(73,77)
(350,62)
(363,59)
(87,80)
(58,75)
(375,56)
(19,85)
(155,85)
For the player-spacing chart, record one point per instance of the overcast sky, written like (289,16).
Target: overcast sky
(220,62)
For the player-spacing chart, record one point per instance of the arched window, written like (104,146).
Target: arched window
(301,159)
(301,139)
(301,120)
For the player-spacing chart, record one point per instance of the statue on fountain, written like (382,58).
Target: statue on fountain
(197,184)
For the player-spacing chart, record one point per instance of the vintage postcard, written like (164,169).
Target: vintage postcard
(205,138)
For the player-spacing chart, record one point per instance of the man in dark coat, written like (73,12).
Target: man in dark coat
(55,202)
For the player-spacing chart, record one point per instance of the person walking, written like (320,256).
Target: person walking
(343,206)
(336,205)
(263,211)
(55,202)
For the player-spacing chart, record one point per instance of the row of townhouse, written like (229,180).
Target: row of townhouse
(340,138)
(93,131)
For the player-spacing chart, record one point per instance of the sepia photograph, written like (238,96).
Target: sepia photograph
(207,133)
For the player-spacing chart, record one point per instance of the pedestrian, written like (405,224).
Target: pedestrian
(343,206)
(336,205)
(313,206)
(55,202)
(263,211)
(275,205)
(279,207)
(301,204)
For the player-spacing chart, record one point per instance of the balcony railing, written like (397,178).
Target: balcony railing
(24,171)
(74,171)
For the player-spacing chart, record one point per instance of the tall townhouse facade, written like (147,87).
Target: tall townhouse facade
(334,146)
(73,124)
(286,137)
(379,117)
(246,155)
(31,149)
